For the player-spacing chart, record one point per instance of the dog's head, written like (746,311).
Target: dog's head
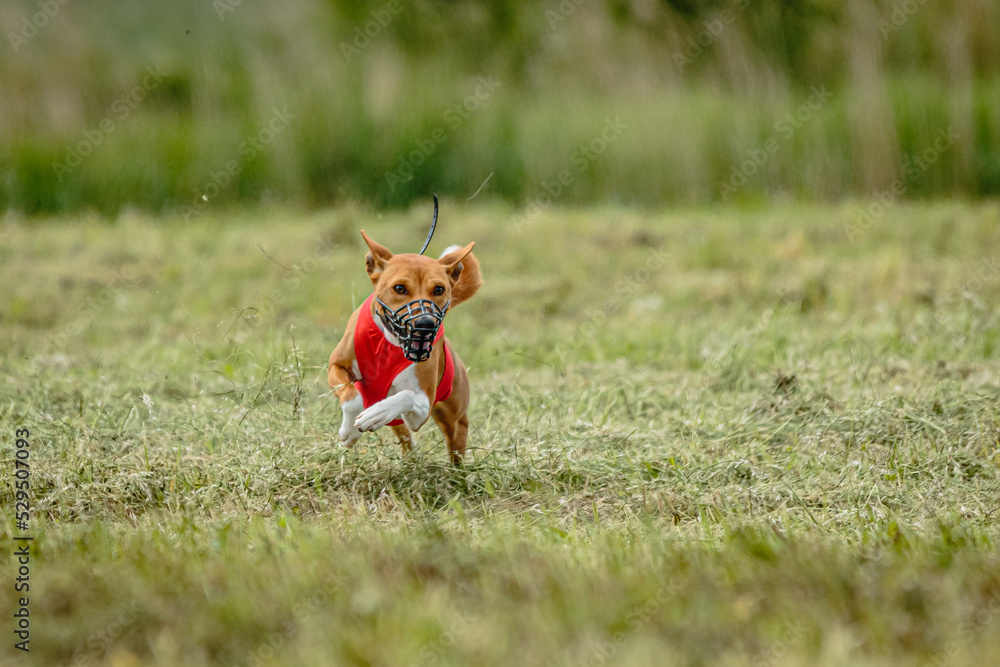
(414,293)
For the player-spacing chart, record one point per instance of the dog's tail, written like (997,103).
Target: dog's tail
(469,280)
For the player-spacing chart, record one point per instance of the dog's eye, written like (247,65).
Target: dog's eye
(400,289)
(438,291)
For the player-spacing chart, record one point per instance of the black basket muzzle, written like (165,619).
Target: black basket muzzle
(415,325)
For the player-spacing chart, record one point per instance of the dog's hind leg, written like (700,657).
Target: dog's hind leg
(456,435)
(451,414)
(405,436)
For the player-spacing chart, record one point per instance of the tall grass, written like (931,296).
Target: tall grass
(701,90)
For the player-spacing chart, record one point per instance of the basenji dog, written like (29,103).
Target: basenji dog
(394,366)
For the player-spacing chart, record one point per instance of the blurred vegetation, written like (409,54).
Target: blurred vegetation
(439,95)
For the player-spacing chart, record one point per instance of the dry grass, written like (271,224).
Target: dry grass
(725,436)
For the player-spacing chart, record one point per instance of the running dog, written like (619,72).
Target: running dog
(394,366)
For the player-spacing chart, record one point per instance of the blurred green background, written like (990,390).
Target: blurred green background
(176,107)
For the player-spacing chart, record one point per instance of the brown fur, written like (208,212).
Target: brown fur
(458,272)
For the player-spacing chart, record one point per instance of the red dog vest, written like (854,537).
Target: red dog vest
(379,361)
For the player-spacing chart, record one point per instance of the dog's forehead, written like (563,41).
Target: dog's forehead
(416,267)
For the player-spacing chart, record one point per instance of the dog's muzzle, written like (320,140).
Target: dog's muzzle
(415,324)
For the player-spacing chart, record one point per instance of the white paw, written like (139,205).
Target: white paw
(375,417)
(349,436)
(348,433)
(345,431)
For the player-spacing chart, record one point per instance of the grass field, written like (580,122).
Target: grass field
(703,437)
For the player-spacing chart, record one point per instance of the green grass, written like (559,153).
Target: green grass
(391,108)
(701,437)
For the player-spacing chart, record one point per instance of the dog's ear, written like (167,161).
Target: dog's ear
(452,262)
(376,259)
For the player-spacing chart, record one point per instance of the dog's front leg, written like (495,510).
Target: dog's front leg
(407,401)
(348,433)
(412,406)
(341,373)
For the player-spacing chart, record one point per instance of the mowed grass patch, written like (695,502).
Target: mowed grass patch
(722,436)
(458,586)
